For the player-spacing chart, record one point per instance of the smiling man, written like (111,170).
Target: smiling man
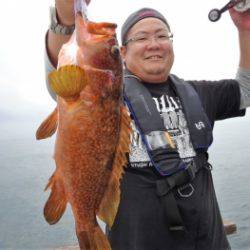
(168,199)
(167,195)
(148,49)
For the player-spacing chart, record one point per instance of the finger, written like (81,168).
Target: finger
(232,11)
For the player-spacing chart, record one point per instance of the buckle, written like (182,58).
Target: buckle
(177,228)
(181,189)
(208,166)
(191,170)
(162,187)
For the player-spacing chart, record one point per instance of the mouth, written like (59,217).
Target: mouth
(154,57)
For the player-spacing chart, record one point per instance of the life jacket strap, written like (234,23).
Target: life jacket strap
(165,186)
(162,151)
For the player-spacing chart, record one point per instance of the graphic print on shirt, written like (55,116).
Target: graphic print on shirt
(174,120)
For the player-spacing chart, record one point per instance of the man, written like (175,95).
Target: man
(167,199)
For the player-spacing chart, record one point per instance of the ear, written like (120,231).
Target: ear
(123,51)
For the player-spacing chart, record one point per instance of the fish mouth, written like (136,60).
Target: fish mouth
(94,32)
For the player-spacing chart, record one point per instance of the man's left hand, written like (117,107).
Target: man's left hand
(241,19)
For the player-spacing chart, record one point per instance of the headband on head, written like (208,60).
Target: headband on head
(136,17)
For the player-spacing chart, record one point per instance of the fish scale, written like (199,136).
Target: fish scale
(93,132)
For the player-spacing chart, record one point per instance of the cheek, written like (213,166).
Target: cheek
(168,48)
(143,52)
(134,57)
(137,53)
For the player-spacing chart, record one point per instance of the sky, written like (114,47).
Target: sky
(203,50)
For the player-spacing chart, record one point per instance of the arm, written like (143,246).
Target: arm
(244,38)
(65,15)
(242,22)
(54,42)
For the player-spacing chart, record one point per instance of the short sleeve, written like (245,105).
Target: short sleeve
(220,99)
(48,68)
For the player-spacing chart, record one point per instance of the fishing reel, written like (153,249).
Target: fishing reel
(239,5)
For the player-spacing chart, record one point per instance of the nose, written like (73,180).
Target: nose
(153,42)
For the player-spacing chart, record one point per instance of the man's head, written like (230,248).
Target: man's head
(147,45)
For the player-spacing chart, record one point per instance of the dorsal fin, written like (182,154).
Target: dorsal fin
(109,204)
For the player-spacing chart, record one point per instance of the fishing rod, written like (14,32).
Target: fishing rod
(81,6)
(239,5)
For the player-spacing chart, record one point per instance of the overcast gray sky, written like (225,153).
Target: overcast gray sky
(203,50)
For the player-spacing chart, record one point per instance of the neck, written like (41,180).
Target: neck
(150,78)
(154,78)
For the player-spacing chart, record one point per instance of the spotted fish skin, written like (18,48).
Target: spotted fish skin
(93,132)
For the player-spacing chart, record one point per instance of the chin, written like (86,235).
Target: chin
(156,70)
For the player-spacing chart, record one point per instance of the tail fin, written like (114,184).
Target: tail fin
(93,240)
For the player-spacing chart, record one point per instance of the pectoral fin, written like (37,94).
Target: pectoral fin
(68,81)
(48,127)
(57,202)
(109,204)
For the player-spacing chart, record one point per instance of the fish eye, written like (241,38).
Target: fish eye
(115,51)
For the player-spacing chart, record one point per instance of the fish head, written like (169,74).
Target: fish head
(89,64)
(97,45)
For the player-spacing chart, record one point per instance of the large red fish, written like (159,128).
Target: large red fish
(92,131)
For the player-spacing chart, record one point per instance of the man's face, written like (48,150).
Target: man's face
(148,53)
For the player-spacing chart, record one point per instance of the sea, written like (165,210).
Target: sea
(27,164)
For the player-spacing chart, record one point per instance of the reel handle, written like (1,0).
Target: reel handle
(215,14)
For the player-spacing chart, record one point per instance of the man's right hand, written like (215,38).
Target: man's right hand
(65,15)
(65,11)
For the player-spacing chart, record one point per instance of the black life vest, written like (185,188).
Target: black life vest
(151,127)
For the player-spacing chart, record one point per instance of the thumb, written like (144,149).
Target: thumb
(235,15)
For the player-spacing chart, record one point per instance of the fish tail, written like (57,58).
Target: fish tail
(101,240)
(93,240)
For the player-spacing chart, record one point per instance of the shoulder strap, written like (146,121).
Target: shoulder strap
(198,123)
(142,106)
(151,127)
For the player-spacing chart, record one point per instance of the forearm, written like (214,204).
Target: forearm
(65,16)
(243,74)
(243,77)
(244,38)
(54,44)
(49,67)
